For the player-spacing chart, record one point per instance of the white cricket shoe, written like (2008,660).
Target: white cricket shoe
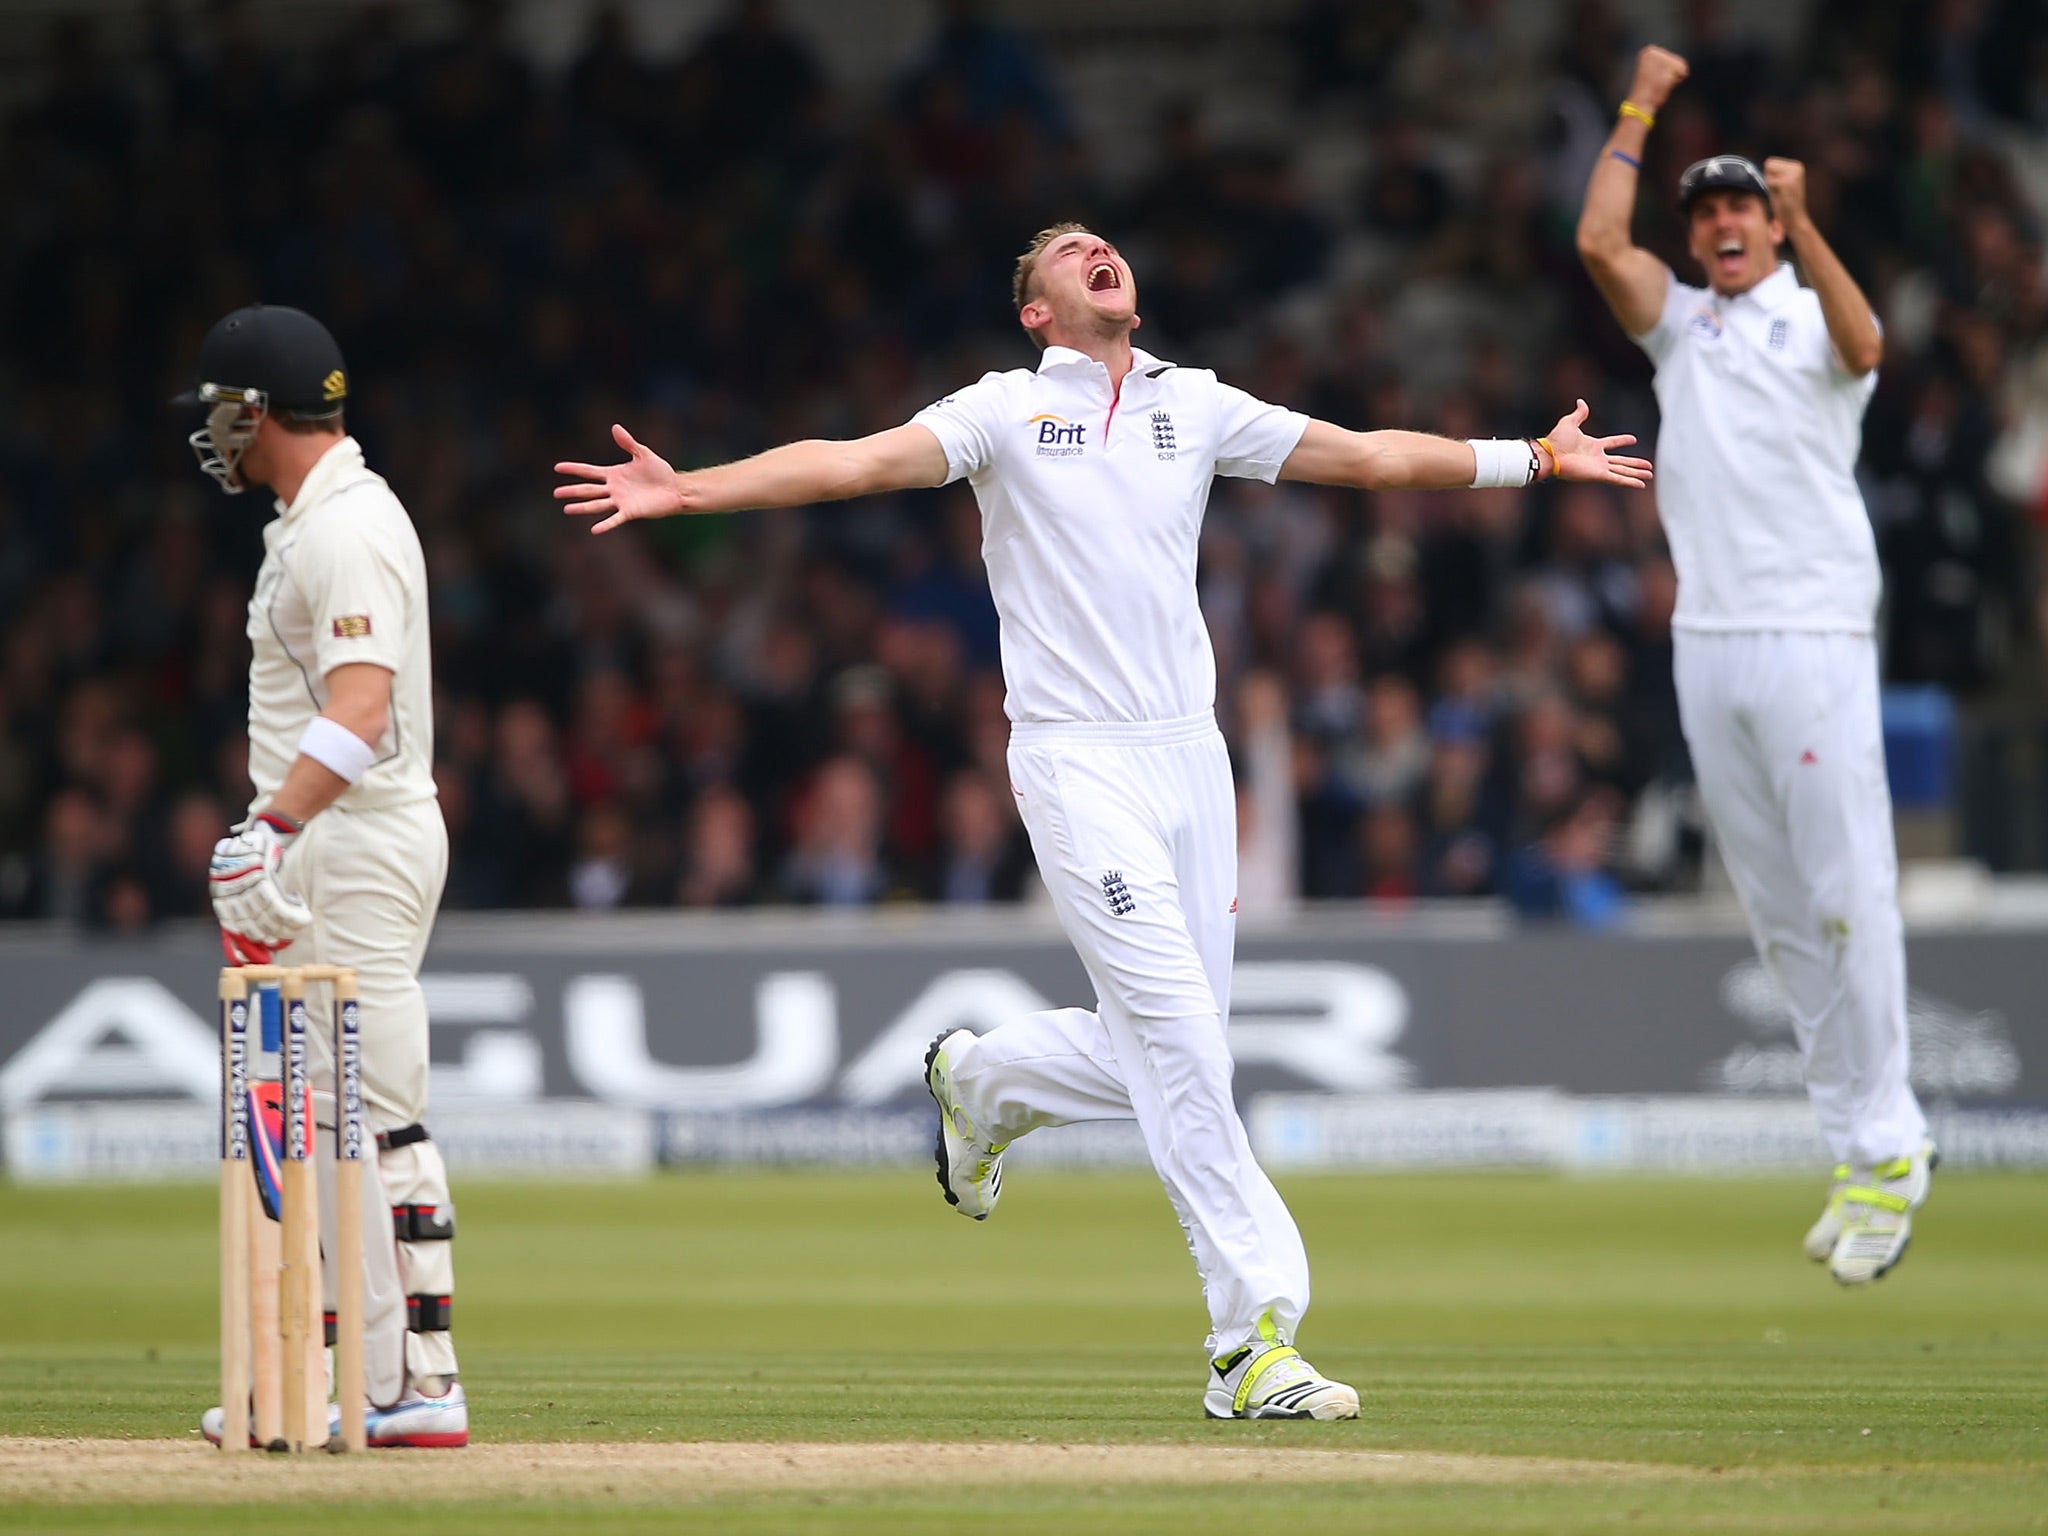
(418,1421)
(1821,1236)
(1877,1216)
(1269,1380)
(415,1421)
(211,1422)
(970,1168)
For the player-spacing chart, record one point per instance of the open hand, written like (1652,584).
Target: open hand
(643,486)
(1658,71)
(1580,457)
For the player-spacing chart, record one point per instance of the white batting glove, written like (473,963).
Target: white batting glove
(248,898)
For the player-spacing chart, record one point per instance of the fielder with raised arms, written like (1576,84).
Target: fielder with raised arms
(1762,384)
(343,854)
(1092,473)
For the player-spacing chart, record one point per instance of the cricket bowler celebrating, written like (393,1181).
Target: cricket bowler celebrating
(343,854)
(1762,385)
(1092,473)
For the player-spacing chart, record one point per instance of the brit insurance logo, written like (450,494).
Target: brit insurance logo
(1058,438)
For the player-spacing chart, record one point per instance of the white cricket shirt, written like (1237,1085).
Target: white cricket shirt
(1756,462)
(1091,511)
(343,580)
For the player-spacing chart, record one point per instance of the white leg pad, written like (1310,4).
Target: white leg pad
(384,1348)
(416,1188)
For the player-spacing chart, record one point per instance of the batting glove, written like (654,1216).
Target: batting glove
(245,951)
(251,904)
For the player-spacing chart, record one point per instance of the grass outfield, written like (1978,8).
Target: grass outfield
(1661,1343)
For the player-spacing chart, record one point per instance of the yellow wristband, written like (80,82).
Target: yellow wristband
(1544,444)
(1630,109)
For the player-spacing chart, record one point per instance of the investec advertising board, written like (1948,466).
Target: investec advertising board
(603,1044)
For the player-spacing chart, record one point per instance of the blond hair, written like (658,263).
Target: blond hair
(1027,264)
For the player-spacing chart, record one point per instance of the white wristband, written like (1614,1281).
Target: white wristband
(334,746)
(1501,461)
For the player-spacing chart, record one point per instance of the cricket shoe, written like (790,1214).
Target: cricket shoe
(414,1422)
(1822,1235)
(1271,1381)
(1877,1216)
(214,1420)
(970,1168)
(419,1422)
(211,1421)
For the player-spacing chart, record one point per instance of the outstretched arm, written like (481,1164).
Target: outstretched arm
(1630,279)
(900,459)
(1851,326)
(1418,461)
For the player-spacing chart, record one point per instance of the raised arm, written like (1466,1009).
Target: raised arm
(645,486)
(1630,279)
(1419,461)
(1851,326)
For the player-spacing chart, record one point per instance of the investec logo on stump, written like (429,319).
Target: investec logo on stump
(1058,438)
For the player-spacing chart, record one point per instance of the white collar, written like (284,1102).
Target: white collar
(1772,292)
(345,455)
(1067,357)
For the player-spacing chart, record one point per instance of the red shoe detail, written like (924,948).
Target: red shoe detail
(452,1441)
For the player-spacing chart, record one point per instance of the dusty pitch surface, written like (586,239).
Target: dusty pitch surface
(174,1471)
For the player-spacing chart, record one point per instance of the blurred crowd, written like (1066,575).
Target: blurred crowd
(1444,695)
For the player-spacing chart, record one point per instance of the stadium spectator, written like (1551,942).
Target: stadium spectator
(983,854)
(835,858)
(718,852)
(1564,876)
(743,244)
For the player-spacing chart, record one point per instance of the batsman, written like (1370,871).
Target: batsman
(343,854)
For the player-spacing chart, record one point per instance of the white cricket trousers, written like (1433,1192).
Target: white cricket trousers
(1788,746)
(1135,830)
(373,880)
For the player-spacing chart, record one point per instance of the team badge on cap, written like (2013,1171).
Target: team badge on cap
(1716,173)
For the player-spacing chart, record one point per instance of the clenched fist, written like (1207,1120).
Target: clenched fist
(1787,181)
(1658,71)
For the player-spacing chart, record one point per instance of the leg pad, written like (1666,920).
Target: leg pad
(423,1223)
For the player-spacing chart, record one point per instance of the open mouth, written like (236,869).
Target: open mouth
(1103,277)
(1729,253)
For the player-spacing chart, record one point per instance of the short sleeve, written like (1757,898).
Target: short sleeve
(967,425)
(1253,439)
(1662,339)
(355,592)
(1827,360)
